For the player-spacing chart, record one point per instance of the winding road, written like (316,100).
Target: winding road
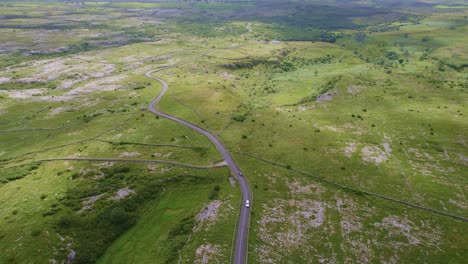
(240,253)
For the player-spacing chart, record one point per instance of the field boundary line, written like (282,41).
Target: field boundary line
(342,186)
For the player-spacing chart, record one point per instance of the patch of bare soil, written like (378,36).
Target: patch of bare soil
(374,154)
(22,94)
(226,76)
(354,243)
(110,83)
(303,227)
(363,244)
(4,80)
(460,202)
(350,149)
(105,164)
(430,168)
(356,130)
(72,70)
(83,104)
(349,222)
(3,110)
(387,148)
(58,110)
(152,167)
(208,253)
(231,179)
(298,187)
(325,97)
(420,154)
(303,108)
(354,89)
(462,159)
(130,154)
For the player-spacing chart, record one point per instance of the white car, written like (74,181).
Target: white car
(247,203)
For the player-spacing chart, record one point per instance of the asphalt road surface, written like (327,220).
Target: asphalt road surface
(240,253)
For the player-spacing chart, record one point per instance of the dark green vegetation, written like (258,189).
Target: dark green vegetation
(93,231)
(322,103)
(17,172)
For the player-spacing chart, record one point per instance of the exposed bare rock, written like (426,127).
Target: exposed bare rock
(399,227)
(122,193)
(22,94)
(88,202)
(297,187)
(130,154)
(373,154)
(354,89)
(232,181)
(209,215)
(350,149)
(4,80)
(207,253)
(101,85)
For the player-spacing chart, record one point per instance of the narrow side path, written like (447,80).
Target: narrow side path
(217,165)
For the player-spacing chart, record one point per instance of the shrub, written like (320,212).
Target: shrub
(75,175)
(391,55)
(239,118)
(67,221)
(214,193)
(35,232)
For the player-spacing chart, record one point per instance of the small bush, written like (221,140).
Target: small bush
(35,232)
(239,118)
(214,193)
(75,175)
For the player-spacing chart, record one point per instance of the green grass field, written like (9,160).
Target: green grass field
(373,101)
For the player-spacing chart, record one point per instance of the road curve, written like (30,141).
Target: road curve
(240,253)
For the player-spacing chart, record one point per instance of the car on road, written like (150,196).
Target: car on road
(247,203)
(241,174)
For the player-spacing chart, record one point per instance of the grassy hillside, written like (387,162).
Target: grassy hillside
(339,113)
